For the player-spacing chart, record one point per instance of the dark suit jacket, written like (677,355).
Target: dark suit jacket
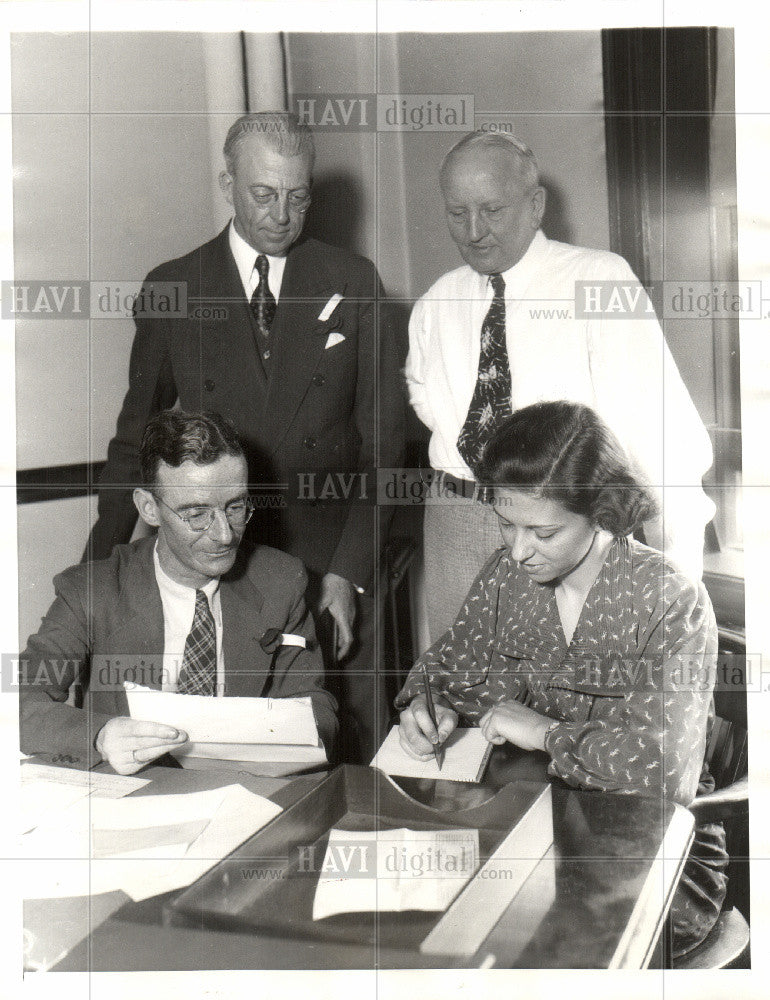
(106,626)
(313,413)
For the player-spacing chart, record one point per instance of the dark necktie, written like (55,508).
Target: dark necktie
(199,664)
(491,401)
(263,304)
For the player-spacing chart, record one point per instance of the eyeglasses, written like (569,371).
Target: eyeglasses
(265,197)
(237,512)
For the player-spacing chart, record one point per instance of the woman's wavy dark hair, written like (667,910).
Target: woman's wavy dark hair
(563,451)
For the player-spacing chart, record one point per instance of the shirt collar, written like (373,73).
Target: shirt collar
(245,255)
(518,276)
(178,590)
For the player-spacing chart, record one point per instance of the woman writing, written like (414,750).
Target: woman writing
(577,640)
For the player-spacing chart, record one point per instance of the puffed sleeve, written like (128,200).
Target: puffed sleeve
(646,733)
(458,664)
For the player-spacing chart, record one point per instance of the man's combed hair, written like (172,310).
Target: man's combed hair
(563,451)
(174,437)
(282,131)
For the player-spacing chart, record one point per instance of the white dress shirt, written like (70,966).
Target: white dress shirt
(246,257)
(621,367)
(178,612)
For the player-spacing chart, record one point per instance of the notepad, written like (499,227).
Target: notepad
(466,758)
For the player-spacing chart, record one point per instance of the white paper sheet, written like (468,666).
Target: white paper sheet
(40,799)
(394,870)
(227,720)
(464,754)
(47,791)
(162,842)
(105,786)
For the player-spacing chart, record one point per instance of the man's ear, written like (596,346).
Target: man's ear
(147,506)
(538,206)
(226,186)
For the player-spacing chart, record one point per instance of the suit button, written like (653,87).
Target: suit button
(318,379)
(208,385)
(310,442)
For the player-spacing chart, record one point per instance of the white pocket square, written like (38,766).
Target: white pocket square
(335,337)
(329,308)
(287,639)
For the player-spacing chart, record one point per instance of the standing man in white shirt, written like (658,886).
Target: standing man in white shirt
(501,333)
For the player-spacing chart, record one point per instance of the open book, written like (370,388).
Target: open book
(466,758)
(235,731)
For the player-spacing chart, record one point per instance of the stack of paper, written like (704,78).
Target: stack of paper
(269,730)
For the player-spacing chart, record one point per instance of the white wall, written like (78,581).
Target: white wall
(549,85)
(116,147)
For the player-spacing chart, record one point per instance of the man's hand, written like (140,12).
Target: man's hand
(339,596)
(515,723)
(129,744)
(416,732)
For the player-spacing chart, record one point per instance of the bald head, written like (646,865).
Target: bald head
(493,202)
(521,156)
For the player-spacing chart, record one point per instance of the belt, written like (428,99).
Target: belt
(450,486)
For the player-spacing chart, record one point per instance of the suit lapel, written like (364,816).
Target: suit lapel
(221,285)
(243,625)
(138,638)
(298,336)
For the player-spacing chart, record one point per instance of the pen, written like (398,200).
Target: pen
(438,749)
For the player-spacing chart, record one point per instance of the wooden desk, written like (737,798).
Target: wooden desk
(597,899)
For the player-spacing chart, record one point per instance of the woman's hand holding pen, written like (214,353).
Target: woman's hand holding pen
(512,722)
(417,733)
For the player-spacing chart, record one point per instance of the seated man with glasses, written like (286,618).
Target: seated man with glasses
(179,611)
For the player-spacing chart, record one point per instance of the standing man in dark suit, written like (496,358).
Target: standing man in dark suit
(288,339)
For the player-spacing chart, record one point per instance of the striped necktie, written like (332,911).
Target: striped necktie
(199,664)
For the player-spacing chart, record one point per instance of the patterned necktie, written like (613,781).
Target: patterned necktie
(199,664)
(262,301)
(491,401)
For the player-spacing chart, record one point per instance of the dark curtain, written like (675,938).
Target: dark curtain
(658,99)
